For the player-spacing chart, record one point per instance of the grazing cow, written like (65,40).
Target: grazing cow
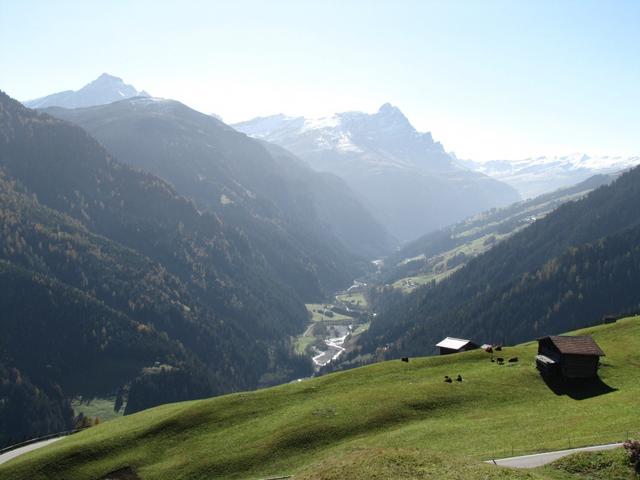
(500,360)
(447,380)
(405,359)
(498,348)
(488,350)
(513,360)
(459,379)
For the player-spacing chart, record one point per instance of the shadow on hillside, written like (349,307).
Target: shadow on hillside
(578,389)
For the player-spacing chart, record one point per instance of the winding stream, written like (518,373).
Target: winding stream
(337,336)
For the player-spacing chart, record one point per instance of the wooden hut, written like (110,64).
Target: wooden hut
(455,345)
(568,356)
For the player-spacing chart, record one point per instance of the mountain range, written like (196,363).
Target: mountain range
(105,89)
(155,252)
(404,175)
(246,182)
(538,175)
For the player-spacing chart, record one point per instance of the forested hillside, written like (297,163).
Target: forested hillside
(110,279)
(563,271)
(260,188)
(438,254)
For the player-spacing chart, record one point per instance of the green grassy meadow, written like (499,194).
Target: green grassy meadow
(387,420)
(96,407)
(316,313)
(356,299)
(410,283)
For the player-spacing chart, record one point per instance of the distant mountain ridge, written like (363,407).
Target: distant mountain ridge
(412,184)
(246,182)
(538,175)
(104,89)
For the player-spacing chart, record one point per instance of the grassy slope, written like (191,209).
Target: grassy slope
(96,407)
(398,419)
(357,299)
(315,310)
(409,284)
(606,465)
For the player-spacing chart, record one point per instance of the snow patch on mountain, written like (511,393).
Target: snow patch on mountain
(408,179)
(537,175)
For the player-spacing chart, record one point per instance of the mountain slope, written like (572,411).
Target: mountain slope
(389,420)
(104,89)
(536,176)
(407,178)
(242,180)
(481,299)
(146,265)
(438,254)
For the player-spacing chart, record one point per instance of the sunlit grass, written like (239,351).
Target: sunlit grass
(393,416)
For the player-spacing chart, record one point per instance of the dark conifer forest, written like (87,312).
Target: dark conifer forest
(110,279)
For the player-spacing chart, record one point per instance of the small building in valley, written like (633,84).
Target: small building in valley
(455,345)
(568,356)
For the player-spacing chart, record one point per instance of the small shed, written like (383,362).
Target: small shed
(455,345)
(568,356)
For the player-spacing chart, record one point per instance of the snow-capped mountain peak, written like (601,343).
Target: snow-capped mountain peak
(402,173)
(536,175)
(104,89)
(388,111)
(386,136)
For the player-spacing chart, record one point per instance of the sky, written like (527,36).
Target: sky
(490,79)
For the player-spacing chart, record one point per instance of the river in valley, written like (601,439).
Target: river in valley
(336,336)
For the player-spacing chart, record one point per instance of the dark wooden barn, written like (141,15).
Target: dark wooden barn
(455,345)
(568,356)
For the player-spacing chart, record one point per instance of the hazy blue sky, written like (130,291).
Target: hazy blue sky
(490,79)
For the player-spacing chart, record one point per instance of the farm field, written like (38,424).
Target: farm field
(386,420)
(356,299)
(318,313)
(96,407)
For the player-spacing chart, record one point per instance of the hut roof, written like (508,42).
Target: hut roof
(575,345)
(453,343)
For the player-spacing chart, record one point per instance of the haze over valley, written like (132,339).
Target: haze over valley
(311,240)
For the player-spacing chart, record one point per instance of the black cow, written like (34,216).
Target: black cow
(513,360)
(405,359)
(459,379)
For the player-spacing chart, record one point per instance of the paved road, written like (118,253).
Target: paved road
(5,457)
(538,459)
